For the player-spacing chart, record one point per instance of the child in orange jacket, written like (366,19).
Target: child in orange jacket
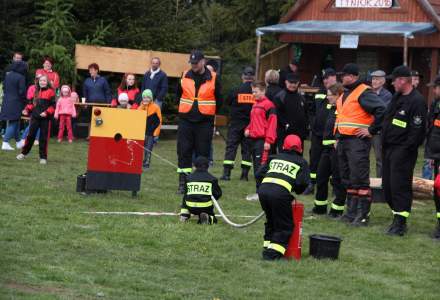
(154,121)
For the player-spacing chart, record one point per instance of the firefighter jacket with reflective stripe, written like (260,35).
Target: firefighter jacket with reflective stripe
(351,116)
(322,109)
(240,102)
(287,169)
(204,96)
(199,188)
(433,137)
(405,120)
(328,137)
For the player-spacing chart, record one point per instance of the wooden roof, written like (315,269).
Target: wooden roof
(430,7)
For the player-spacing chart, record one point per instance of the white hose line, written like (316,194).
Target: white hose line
(150,213)
(217,206)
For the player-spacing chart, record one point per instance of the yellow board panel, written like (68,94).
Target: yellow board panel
(130,124)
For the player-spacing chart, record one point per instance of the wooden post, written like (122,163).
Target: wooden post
(257,58)
(434,72)
(405,50)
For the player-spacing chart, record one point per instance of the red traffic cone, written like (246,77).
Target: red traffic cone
(294,248)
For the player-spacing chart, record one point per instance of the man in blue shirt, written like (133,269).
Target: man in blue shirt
(156,80)
(96,88)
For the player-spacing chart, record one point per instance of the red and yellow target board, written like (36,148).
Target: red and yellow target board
(116,149)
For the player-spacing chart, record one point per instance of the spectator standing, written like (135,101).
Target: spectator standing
(156,80)
(96,88)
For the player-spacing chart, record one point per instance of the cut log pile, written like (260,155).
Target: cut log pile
(422,188)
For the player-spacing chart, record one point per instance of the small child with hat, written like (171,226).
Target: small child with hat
(154,121)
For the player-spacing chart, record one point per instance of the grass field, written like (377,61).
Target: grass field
(51,249)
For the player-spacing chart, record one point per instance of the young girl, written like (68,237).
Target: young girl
(128,85)
(40,109)
(154,121)
(328,163)
(262,128)
(65,111)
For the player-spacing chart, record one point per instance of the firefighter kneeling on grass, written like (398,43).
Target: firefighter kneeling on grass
(284,173)
(200,186)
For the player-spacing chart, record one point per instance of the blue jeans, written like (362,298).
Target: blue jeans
(427,169)
(12,131)
(26,132)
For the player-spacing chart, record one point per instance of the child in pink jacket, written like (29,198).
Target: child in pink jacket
(64,112)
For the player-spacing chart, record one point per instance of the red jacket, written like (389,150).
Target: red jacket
(132,93)
(53,77)
(43,102)
(263,124)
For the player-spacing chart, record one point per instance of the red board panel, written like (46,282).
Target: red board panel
(108,155)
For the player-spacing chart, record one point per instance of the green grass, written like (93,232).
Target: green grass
(50,249)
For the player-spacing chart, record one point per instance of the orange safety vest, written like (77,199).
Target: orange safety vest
(350,115)
(205,97)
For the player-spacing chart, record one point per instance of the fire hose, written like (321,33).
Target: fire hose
(216,205)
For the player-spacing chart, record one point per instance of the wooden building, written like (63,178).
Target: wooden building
(390,32)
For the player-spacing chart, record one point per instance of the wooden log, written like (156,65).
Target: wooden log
(422,188)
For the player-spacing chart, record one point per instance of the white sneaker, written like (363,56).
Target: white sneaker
(43,161)
(36,143)
(252,197)
(21,156)
(6,146)
(20,144)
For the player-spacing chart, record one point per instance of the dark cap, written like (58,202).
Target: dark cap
(201,162)
(400,71)
(328,72)
(196,56)
(249,71)
(415,73)
(350,69)
(294,61)
(293,77)
(435,83)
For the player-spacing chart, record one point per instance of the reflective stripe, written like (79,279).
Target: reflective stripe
(337,207)
(266,244)
(199,188)
(313,175)
(246,163)
(184,211)
(399,123)
(438,215)
(321,203)
(286,168)
(184,170)
(329,106)
(402,213)
(320,96)
(277,247)
(281,182)
(228,162)
(352,125)
(328,142)
(198,204)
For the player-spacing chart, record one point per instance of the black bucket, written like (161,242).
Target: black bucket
(81,183)
(324,246)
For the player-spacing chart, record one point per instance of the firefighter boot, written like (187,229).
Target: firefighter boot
(244,174)
(363,213)
(350,214)
(436,234)
(181,188)
(335,214)
(398,227)
(226,174)
(319,209)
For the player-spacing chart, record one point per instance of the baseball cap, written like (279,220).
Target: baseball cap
(196,56)
(328,72)
(249,71)
(350,69)
(400,71)
(293,77)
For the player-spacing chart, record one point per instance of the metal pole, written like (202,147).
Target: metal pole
(405,50)
(257,58)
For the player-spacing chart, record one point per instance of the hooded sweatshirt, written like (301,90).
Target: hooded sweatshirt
(263,124)
(65,105)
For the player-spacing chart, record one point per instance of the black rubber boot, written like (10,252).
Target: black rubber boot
(181,188)
(319,210)
(244,174)
(226,174)
(363,213)
(270,255)
(398,227)
(335,214)
(350,214)
(310,189)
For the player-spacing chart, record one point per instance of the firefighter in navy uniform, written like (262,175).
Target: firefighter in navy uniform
(240,101)
(200,186)
(402,134)
(285,172)
(328,164)
(199,96)
(360,115)
(432,149)
(318,125)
